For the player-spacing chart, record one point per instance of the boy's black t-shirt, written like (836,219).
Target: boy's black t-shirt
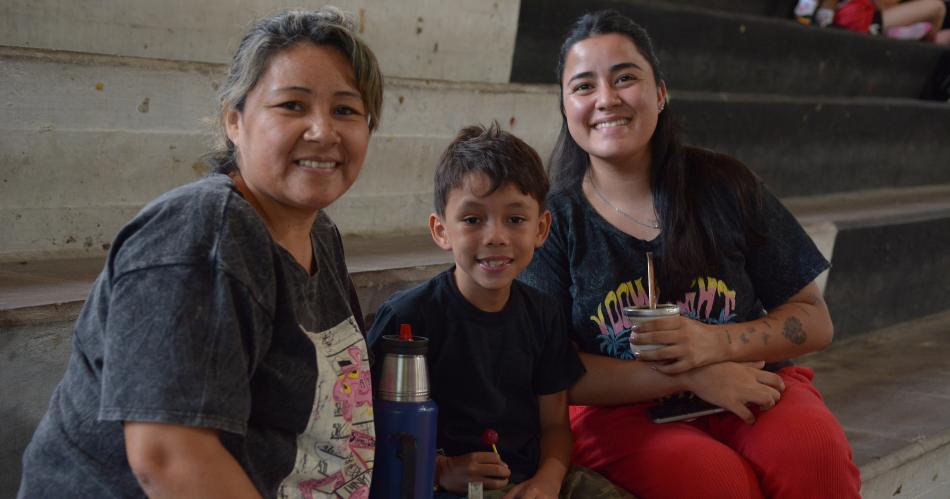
(486,370)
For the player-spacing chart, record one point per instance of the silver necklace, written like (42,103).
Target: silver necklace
(654,225)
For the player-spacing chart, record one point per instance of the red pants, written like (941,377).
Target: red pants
(796,450)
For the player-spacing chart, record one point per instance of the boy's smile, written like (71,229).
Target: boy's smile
(492,238)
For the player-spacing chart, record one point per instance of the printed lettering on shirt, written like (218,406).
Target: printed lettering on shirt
(709,296)
(709,300)
(335,453)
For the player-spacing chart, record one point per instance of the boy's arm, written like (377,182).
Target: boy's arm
(556,442)
(454,473)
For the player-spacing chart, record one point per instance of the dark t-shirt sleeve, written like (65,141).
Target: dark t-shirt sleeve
(183,355)
(788,261)
(385,320)
(558,366)
(549,270)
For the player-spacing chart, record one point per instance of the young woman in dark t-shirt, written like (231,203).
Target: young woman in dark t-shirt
(726,251)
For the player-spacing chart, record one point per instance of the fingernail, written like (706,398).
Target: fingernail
(633,336)
(636,355)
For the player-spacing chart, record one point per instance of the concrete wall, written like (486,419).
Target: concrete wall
(105,106)
(411,38)
(394,191)
(87,140)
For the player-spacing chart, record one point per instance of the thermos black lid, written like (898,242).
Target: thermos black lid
(392,344)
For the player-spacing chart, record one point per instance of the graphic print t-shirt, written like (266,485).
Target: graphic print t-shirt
(200,319)
(595,270)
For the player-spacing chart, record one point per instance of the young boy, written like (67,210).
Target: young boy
(499,355)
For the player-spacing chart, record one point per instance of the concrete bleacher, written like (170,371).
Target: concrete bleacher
(829,119)
(709,50)
(104,109)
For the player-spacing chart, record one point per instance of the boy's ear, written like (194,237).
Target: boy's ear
(439,234)
(544,228)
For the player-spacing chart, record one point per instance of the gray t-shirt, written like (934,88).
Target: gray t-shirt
(200,319)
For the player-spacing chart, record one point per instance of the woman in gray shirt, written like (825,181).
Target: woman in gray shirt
(220,352)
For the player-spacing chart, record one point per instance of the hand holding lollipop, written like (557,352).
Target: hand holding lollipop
(490,437)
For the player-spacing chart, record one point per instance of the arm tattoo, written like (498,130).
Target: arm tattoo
(728,337)
(802,308)
(744,337)
(793,331)
(765,337)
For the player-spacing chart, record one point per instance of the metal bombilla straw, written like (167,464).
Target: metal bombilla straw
(651,281)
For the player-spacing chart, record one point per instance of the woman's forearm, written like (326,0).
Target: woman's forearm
(730,385)
(799,326)
(610,381)
(178,461)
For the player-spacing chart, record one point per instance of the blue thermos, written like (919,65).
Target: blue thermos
(405,421)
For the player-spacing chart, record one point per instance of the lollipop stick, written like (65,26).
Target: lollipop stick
(494,448)
(475,490)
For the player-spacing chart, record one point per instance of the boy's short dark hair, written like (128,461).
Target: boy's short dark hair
(501,156)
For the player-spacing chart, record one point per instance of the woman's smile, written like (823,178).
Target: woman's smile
(318,165)
(613,123)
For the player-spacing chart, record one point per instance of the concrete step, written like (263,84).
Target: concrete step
(54,290)
(772,8)
(889,272)
(859,233)
(888,255)
(89,139)
(821,145)
(888,388)
(708,50)
(411,38)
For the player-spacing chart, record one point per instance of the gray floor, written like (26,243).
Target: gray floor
(889,388)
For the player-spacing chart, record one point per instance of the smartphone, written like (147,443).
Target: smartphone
(681,407)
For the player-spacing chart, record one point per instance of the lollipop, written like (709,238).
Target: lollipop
(490,437)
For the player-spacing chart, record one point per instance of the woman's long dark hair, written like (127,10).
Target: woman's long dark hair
(684,182)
